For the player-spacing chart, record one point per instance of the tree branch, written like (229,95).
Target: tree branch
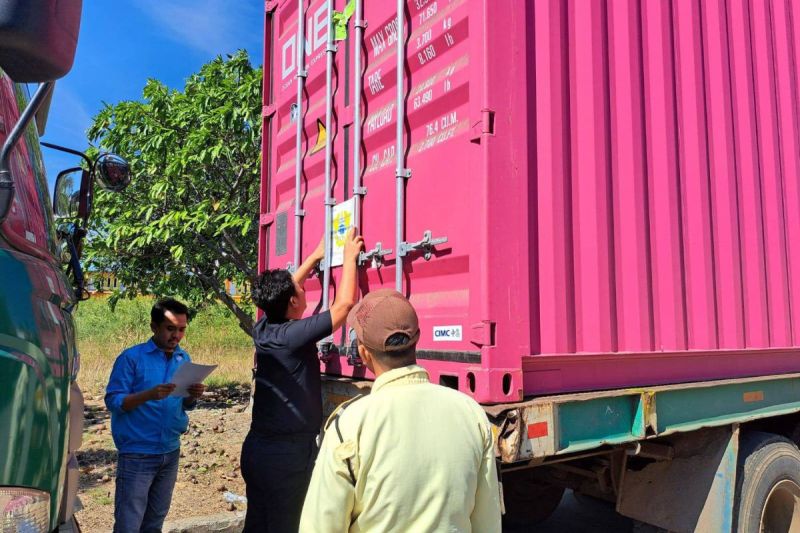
(238,257)
(245,320)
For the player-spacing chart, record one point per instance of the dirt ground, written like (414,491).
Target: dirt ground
(209,464)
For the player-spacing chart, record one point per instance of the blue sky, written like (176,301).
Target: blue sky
(124,42)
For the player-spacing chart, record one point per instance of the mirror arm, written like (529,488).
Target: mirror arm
(74,261)
(6,179)
(70,151)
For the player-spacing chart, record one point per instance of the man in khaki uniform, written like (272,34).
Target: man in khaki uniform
(410,456)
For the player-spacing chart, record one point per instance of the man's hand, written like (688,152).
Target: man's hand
(159,392)
(305,269)
(196,390)
(353,245)
(319,252)
(346,290)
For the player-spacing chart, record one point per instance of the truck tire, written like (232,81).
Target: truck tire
(767,485)
(526,501)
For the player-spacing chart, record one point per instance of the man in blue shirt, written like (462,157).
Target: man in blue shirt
(146,422)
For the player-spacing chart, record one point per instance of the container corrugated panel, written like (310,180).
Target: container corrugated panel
(617,182)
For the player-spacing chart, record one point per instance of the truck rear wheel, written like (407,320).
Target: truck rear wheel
(528,502)
(767,485)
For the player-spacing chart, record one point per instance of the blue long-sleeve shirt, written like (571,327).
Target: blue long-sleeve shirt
(155,426)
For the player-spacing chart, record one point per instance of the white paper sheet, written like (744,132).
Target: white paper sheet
(188,374)
(343,215)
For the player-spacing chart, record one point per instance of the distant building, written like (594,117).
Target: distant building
(102,282)
(98,283)
(236,292)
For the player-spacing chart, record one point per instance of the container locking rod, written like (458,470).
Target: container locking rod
(301,76)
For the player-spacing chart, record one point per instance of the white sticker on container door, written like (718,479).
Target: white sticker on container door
(447,333)
(343,215)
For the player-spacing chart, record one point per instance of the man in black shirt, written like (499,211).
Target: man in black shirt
(279,451)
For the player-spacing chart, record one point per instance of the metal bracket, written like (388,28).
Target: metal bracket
(360,191)
(353,359)
(375,255)
(266,219)
(403,173)
(327,350)
(331,48)
(361,24)
(299,212)
(427,245)
(302,73)
(330,201)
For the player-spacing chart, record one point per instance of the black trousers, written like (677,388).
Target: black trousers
(277,471)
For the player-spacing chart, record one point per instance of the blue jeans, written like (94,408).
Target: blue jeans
(144,491)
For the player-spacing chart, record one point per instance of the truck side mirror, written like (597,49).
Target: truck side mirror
(67,194)
(112,172)
(38,38)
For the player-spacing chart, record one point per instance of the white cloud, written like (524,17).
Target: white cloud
(211,26)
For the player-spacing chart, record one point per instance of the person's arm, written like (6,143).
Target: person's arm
(304,270)
(120,383)
(328,506)
(486,513)
(159,392)
(119,392)
(346,292)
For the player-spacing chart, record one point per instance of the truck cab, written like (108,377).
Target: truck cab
(41,406)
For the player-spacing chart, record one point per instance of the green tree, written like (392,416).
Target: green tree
(188,221)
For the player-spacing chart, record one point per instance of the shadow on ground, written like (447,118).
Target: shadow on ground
(584,515)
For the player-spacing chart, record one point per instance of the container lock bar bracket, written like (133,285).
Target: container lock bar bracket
(327,350)
(426,245)
(353,359)
(375,256)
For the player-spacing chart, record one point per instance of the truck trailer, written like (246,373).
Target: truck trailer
(594,207)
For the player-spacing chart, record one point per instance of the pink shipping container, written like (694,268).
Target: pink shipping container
(618,182)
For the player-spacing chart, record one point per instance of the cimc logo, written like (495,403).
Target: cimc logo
(316,30)
(447,333)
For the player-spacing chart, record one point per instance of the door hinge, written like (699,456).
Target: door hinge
(266,219)
(483,333)
(485,126)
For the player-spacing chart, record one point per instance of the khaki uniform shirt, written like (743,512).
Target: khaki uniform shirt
(422,456)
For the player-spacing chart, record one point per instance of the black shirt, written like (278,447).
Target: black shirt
(288,397)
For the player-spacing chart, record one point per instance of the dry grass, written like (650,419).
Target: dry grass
(213,337)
